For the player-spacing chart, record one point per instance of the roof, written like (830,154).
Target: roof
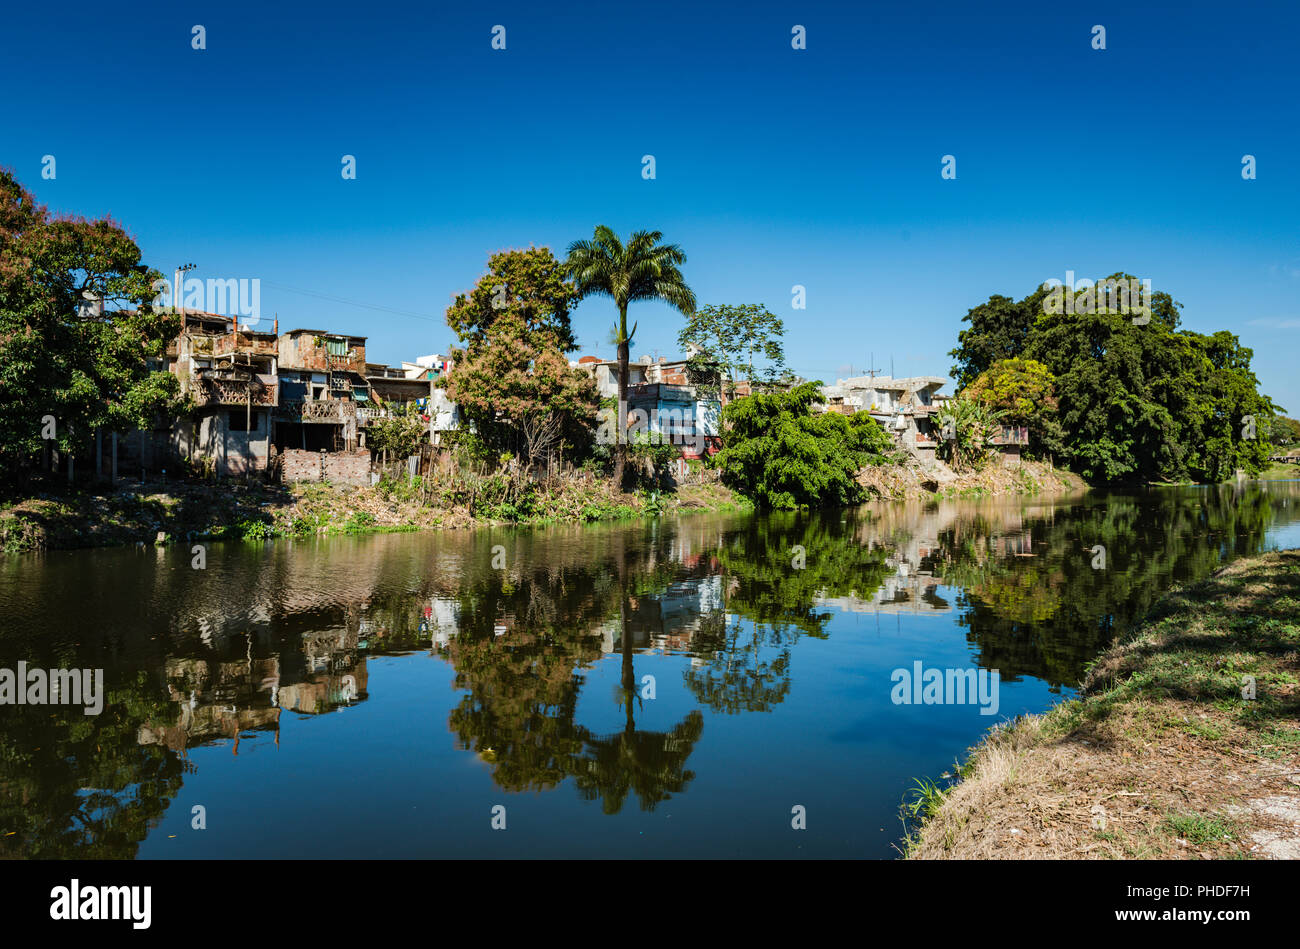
(295,332)
(890,384)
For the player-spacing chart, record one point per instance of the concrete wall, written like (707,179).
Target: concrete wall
(233,453)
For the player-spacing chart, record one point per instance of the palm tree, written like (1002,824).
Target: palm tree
(643,269)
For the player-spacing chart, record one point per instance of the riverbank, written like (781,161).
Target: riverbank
(160,513)
(1161,756)
(912,480)
(157,513)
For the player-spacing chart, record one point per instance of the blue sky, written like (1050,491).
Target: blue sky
(774,167)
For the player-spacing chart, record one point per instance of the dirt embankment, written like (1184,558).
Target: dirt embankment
(160,513)
(911,480)
(1185,741)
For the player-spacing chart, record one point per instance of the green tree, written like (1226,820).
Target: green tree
(521,393)
(780,454)
(730,337)
(967,425)
(1025,392)
(1139,398)
(643,269)
(529,285)
(79,338)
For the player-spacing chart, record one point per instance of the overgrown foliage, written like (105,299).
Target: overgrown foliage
(729,339)
(780,454)
(77,331)
(1138,398)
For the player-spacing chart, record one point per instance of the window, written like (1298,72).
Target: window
(337,347)
(239,421)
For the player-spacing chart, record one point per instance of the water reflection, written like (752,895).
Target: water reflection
(278,635)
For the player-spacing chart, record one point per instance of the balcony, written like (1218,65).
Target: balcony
(1010,435)
(320,412)
(215,390)
(244,344)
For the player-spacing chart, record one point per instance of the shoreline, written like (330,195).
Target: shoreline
(157,513)
(1164,753)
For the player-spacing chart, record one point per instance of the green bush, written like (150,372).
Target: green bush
(780,455)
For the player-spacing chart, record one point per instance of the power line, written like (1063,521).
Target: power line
(365,306)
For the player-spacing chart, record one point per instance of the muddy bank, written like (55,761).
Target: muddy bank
(1184,742)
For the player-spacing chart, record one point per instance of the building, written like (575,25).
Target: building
(322,385)
(230,373)
(905,407)
(662,400)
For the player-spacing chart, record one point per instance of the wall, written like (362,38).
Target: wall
(337,467)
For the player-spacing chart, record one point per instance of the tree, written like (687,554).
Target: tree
(779,454)
(1139,399)
(730,337)
(643,269)
(520,391)
(79,338)
(1025,392)
(967,426)
(527,284)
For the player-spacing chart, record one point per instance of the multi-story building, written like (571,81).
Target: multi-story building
(323,383)
(230,374)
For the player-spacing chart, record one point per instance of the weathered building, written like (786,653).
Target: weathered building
(323,383)
(230,374)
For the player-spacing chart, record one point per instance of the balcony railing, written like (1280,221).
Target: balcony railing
(215,391)
(239,343)
(320,411)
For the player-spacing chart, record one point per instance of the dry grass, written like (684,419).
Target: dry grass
(1161,756)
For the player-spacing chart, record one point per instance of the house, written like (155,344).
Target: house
(661,399)
(905,407)
(323,383)
(909,408)
(230,373)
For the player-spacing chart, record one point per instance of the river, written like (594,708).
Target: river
(709,686)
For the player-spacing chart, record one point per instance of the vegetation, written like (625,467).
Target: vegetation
(1138,398)
(643,269)
(780,454)
(1184,734)
(729,337)
(967,424)
(78,335)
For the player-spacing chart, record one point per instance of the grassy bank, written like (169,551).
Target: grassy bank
(1161,755)
(167,513)
(1281,471)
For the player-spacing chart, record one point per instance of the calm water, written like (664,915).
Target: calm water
(665,689)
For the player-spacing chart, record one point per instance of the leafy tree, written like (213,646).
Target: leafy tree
(521,393)
(79,338)
(643,269)
(780,454)
(730,337)
(529,285)
(1025,392)
(1283,431)
(1138,399)
(401,435)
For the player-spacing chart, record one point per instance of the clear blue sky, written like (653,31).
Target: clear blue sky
(775,167)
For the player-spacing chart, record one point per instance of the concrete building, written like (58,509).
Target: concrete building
(231,375)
